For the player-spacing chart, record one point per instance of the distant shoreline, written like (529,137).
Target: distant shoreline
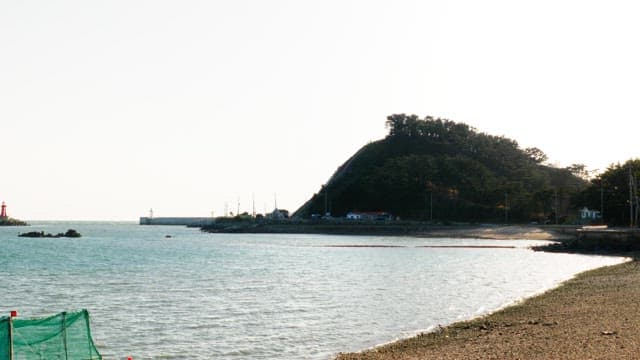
(562,238)
(414,229)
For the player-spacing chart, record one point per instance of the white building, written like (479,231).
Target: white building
(370,215)
(586,214)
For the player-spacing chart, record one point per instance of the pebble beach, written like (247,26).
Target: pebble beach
(595,315)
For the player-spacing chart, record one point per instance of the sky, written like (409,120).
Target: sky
(111,108)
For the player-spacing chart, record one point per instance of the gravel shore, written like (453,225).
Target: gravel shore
(593,316)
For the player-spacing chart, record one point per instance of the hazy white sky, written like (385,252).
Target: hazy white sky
(109,108)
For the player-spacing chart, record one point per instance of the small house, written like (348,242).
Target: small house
(369,215)
(354,216)
(587,215)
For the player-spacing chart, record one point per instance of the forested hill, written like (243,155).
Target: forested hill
(446,171)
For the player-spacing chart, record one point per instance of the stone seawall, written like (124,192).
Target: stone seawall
(612,239)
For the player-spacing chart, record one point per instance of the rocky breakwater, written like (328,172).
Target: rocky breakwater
(7,221)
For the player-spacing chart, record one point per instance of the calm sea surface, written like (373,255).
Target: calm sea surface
(205,296)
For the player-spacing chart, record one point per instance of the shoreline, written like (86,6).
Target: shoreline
(593,314)
(398,228)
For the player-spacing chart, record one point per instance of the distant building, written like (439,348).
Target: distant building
(587,216)
(354,216)
(278,214)
(369,215)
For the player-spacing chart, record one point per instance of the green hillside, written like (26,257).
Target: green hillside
(446,171)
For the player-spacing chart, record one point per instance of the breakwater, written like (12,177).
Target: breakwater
(7,221)
(320,227)
(184,221)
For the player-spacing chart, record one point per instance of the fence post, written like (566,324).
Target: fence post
(64,334)
(11,336)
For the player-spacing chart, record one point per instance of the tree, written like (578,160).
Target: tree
(403,125)
(538,156)
(579,170)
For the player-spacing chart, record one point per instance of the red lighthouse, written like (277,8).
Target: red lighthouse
(3,213)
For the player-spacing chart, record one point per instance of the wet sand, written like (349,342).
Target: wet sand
(593,316)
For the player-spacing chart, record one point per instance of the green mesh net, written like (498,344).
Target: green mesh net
(65,336)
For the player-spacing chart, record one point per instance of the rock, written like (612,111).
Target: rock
(35,234)
(71,233)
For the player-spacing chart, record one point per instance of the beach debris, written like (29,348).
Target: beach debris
(608,333)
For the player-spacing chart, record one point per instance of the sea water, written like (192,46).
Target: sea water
(195,295)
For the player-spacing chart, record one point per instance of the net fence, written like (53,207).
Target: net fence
(65,336)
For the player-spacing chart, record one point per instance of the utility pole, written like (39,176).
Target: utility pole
(506,208)
(555,192)
(630,197)
(326,200)
(633,199)
(602,200)
(635,196)
(426,207)
(431,207)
